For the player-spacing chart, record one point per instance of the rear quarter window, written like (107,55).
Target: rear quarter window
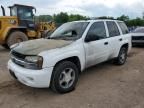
(123,27)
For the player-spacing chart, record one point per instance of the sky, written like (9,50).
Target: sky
(91,8)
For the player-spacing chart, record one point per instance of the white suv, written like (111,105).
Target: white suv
(57,61)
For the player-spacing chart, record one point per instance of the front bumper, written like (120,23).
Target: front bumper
(137,41)
(33,78)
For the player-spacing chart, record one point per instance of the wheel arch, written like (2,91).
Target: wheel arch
(21,29)
(10,30)
(73,59)
(126,45)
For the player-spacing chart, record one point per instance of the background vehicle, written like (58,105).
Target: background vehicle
(73,47)
(21,26)
(138,35)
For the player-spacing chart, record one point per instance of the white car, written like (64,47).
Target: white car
(56,62)
(138,36)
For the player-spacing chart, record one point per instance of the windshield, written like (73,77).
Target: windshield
(25,14)
(69,31)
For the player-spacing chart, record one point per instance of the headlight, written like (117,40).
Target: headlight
(33,62)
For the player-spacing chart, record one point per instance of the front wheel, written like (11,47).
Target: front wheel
(121,59)
(65,77)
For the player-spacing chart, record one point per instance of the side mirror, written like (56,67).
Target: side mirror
(91,37)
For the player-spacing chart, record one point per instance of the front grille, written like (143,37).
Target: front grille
(18,58)
(18,55)
(137,37)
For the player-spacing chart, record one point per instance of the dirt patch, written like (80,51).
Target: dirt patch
(102,86)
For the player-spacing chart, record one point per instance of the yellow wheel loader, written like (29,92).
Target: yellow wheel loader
(21,26)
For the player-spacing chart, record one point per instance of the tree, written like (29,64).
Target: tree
(43,18)
(61,17)
(105,17)
(77,17)
(123,18)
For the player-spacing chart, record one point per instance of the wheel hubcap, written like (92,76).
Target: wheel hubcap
(123,56)
(67,78)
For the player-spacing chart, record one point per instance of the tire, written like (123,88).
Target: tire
(16,37)
(122,57)
(65,77)
(5,46)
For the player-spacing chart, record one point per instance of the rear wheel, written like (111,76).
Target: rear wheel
(16,37)
(65,77)
(121,59)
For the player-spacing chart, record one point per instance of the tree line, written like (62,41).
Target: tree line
(63,17)
(129,22)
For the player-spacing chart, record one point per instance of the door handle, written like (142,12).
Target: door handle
(120,39)
(106,43)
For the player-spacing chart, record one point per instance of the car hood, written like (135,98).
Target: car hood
(34,47)
(137,34)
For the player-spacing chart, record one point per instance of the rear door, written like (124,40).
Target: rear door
(115,37)
(97,51)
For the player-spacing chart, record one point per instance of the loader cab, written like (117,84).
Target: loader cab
(25,15)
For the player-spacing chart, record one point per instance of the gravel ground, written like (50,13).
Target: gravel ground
(102,86)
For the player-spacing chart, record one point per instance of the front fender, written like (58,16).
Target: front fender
(52,60)
(6,32)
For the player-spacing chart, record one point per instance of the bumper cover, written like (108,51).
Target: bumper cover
(137,41)
(33,78)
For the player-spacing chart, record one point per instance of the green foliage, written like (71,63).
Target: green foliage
(105,17)
(123,18)
(63,17)
(135,22)
(131,22)
(77,17)
(43,18)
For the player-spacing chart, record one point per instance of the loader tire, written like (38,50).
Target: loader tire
(5,46)
(16,37)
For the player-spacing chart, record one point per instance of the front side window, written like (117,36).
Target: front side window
(97,30)
(112,28)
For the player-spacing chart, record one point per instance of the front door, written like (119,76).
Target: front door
(98,50)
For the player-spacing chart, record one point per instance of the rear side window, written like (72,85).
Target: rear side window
(123,27)
(112,28)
